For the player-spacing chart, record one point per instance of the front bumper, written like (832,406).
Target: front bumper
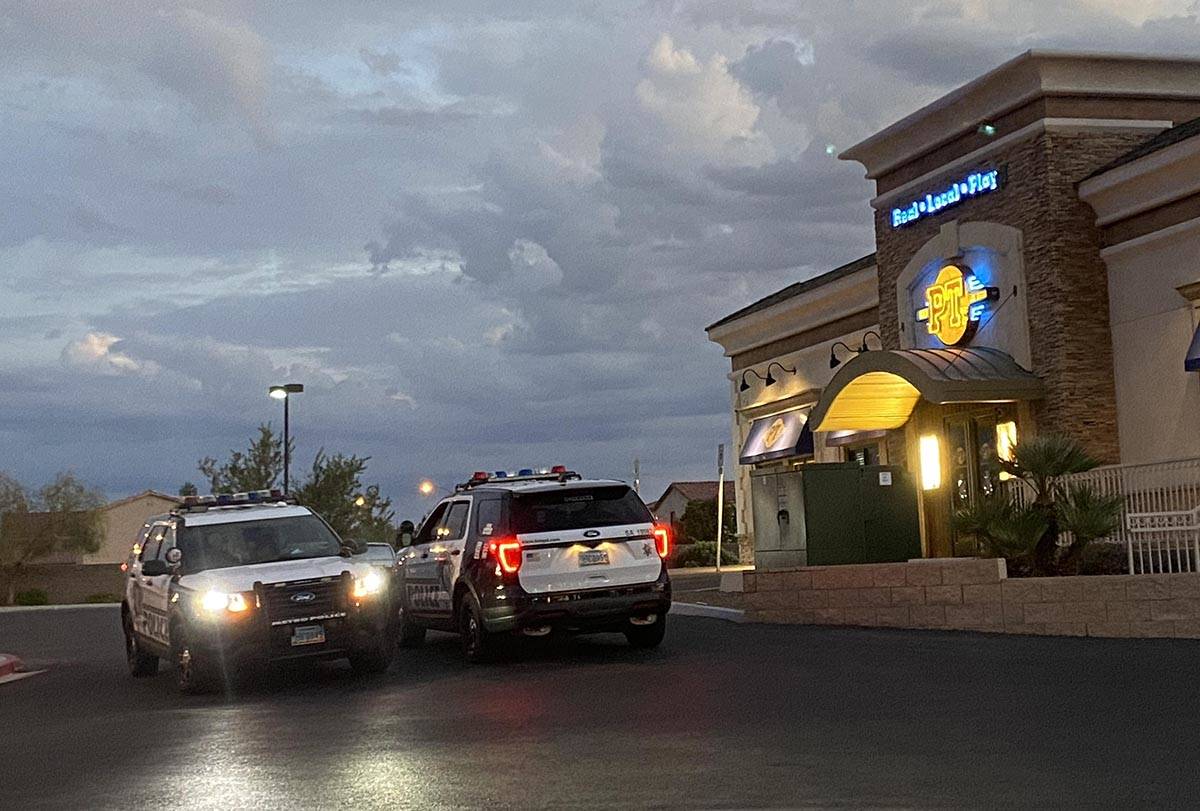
(586,611)
(256,639)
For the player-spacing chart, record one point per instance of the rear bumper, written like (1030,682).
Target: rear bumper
(257,641)
(590,610)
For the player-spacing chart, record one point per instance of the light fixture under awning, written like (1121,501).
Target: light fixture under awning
(1192,362)
(878,390)
(777,437)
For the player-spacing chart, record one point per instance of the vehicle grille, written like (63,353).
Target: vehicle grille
(282,609)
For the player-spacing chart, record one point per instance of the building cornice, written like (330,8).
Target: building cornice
(1032,75)
(1152,181)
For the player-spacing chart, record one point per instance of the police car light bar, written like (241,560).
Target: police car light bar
(198,503)
(556,473)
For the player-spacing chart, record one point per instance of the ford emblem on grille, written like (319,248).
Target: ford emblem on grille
(592,533)
(303,597)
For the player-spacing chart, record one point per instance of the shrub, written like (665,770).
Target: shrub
(1104,558)
(102,597)
(32,597)
(705,553)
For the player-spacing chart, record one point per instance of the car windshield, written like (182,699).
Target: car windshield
(241,543)
(577,508)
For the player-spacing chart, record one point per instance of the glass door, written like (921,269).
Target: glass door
(974,464)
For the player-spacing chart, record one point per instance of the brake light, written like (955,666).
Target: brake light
(507,552)
(662,541)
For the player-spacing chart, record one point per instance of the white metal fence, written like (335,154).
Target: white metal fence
(1154,529)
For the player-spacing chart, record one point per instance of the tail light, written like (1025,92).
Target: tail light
(662,541)
(507,553)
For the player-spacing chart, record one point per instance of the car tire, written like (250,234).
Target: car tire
(478,645)
(194,674)
(375,659)
(647,636)
(411,634)
(141,664)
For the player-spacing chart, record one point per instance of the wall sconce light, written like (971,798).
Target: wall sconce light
(931,462)
(746,386)
(782,368)
(834,362)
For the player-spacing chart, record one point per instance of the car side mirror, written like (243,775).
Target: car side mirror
(155,568)
(404,536)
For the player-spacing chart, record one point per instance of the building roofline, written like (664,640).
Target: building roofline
(142,494)
(1155,143)
(797,289)
(1025,77)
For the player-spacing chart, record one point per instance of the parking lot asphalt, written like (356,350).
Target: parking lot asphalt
(721,716)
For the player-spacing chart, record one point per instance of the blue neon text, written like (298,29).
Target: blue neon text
(972,185)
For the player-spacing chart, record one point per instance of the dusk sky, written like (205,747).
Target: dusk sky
(483,235)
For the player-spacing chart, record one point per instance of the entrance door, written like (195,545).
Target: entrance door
(974,466)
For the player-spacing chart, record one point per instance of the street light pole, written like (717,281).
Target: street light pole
(284,393)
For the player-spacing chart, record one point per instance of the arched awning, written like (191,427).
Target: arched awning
(879,389)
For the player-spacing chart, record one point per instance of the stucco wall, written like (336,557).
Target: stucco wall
(974,594)
(121,525)
(1158,403)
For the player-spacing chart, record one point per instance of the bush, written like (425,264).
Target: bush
(32,597)
(705,554)
(102,597)
(1104,558)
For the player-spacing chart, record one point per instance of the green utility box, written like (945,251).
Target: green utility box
(827,514)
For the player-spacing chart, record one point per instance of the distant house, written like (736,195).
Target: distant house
(122,521)
(672,504)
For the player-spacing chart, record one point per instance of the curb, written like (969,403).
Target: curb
(710,611)
(11,609)
(10,664)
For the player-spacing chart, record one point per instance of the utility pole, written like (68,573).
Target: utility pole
(720,499)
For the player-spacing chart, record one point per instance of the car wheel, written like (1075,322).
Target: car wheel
(141,664)
(411,634)
(375,659)
(478,645)
(193,673)
(647,636)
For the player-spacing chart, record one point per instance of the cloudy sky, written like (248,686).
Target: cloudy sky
(482,234)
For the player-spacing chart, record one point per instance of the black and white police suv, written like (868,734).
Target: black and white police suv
(233,580)
(535,552)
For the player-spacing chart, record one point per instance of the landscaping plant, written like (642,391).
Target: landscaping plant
(1028,534)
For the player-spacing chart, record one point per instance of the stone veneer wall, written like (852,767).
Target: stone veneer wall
(1067,289)
(976,595)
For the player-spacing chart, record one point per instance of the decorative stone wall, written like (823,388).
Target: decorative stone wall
(1066,284)
(972,594)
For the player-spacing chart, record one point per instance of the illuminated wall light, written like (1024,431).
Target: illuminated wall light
(1006,440)
(931,462)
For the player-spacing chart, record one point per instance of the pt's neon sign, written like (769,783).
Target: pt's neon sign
(972,185)
(954,304)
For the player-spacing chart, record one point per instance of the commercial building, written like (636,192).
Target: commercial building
(1037,269)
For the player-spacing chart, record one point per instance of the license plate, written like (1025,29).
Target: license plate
(308,635)
(593,557)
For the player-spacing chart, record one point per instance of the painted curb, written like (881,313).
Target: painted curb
(710,611)
(12,609)
(9,665)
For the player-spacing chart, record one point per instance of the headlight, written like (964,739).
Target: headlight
(214,601)
(370,583)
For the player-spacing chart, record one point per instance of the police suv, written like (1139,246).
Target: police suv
(231,580)
(535,552)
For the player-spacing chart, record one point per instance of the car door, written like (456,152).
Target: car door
(138,589)
(156,590)
(447,553)
(418,571)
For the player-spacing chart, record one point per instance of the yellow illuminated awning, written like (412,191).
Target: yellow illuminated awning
(878,390)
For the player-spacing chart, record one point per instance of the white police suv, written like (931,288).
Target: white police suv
(533,552)
(232,580)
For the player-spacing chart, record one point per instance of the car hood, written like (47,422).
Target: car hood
(243,578)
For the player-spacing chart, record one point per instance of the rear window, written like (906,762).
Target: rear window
(577,508)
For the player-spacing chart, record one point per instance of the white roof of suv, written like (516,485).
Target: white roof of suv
(254,512)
